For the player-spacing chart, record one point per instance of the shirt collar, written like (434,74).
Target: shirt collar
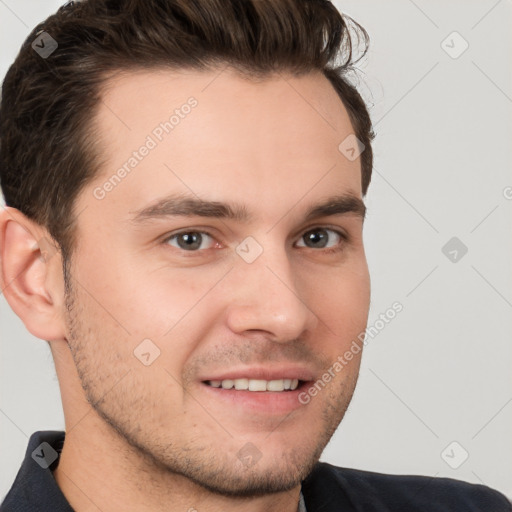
(302,503)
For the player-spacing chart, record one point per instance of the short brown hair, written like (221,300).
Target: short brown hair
(47,149)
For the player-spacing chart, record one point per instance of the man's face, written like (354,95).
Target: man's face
(163,307)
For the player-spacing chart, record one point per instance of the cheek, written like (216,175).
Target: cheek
(344,308)
(146,301)
(174,300)
(343,297)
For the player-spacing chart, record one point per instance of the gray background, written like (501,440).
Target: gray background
(440,371)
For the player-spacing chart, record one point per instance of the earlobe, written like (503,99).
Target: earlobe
(28,265)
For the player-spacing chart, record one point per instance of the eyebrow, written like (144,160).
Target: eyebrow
(188,206)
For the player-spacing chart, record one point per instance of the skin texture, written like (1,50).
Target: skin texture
(155,433)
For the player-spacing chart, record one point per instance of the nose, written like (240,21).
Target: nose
(265,297)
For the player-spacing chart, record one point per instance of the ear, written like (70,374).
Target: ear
(31,275)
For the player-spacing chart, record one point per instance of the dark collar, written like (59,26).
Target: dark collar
(35,487)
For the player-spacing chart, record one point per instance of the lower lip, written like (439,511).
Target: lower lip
(270,402)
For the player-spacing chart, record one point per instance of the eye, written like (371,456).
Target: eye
(330,240)
(320,238)
(189,240)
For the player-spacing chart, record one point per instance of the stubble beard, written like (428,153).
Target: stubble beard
(206,465)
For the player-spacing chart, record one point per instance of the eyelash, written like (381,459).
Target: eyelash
(330,250)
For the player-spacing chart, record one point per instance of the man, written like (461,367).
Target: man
(184,185)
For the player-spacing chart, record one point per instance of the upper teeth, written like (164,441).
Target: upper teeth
(256,384)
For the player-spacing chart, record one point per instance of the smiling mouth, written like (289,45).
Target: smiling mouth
(277,385)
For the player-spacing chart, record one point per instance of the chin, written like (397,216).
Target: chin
(257,479)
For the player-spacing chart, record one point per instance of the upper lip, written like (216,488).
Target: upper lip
(264,373)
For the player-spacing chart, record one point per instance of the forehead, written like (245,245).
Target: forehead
(213,132)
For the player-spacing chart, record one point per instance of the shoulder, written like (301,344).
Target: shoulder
(330,487)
